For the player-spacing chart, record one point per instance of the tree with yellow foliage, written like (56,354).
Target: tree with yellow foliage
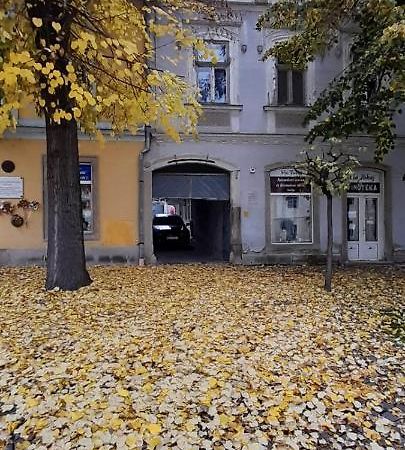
(79,61)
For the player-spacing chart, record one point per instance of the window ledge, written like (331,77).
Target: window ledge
(222,21)
(221,107)
(291,108)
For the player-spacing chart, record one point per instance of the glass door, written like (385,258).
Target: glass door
(362,228)
(368,249)
(353,221)
(370,219)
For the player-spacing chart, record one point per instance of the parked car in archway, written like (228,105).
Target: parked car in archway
(170,229)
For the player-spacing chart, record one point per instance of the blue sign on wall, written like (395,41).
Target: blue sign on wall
(85,172)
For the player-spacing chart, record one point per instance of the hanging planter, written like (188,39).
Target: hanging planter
(28,207)
(7,208)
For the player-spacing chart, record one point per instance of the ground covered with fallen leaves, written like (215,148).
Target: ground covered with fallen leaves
(201,357)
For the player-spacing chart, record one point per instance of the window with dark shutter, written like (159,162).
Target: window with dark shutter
(290,86)
(282,87)
(297,88)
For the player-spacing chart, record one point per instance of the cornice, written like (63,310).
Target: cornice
(39,133)
(236,138)
(352,143)
(221,107)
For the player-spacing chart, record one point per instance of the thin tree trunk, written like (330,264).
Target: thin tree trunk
(329,254)
(66,264)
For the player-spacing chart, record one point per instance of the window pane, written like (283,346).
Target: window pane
(87,207)
(219,50)
(204,83)
(282,87)
(298,88)
(86,181)
(220,85)
(292,225)
(352,219)
(371,219)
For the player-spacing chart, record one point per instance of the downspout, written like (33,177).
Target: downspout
(141,173)
(141,190)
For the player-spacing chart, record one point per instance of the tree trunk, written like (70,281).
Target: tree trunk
(66,264)
(329,253)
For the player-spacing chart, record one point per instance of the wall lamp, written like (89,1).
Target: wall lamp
(243,48)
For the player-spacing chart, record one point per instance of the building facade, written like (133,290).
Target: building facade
(235,186)
(109,177)
(250,137)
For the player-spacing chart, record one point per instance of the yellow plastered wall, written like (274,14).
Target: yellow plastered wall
(27,110)
(116,192)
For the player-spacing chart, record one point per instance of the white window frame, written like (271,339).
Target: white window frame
(219,65)
(291,194)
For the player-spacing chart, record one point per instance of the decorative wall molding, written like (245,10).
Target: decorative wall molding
(39,133)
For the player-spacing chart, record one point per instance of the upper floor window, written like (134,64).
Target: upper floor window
(213,76)
(290,86)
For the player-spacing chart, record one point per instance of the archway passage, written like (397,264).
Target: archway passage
(200,195)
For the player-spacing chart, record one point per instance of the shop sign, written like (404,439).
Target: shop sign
(365,176)
(365,181)
(286,181)
(11,187)
(85,173)
(368,187)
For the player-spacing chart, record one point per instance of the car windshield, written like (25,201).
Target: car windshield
(167,220)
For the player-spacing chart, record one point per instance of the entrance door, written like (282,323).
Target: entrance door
(363,228)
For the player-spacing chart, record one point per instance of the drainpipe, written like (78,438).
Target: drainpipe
(141,208)
(147,143)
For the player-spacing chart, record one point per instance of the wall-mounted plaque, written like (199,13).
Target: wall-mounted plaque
(11,187)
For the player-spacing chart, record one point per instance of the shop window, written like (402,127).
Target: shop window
(291,215)
(290,86)
(213,76)
(86,186)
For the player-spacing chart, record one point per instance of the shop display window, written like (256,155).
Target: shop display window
(290,208)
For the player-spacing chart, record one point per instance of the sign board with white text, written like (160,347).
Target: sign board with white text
(11,187)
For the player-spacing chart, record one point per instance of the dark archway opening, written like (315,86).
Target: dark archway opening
(200,195)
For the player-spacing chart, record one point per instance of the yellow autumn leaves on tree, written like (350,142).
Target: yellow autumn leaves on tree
(110,74)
